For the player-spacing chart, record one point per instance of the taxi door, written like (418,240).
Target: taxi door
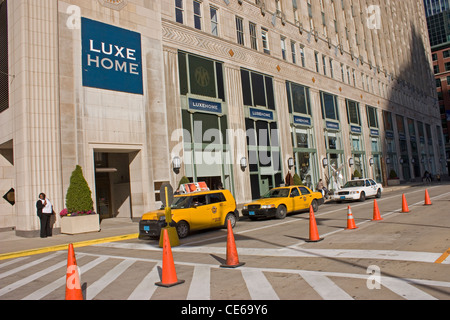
(217,202)
(295,200)
(306,197)
(200,212)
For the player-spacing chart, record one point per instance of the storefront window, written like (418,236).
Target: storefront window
(262,132)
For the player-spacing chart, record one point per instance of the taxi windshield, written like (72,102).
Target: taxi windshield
(277,193)
(181,202)
(351,184)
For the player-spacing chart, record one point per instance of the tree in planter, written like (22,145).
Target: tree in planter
(356,174)
(183,180)
(393,174)
(297,180)
(79,195)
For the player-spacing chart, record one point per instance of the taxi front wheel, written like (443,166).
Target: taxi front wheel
(232,219)
(182,229)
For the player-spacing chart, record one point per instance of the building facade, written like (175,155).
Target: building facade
(243,92)
(438,18)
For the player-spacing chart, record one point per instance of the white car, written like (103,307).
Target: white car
(358,189)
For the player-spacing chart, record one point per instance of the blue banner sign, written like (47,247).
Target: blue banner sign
(332,125)
(261,114)
(389,134)
(355,129)
(304,121)
(111,57)
(208,106)
(374,132)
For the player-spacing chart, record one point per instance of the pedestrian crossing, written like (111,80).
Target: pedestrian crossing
(121,278)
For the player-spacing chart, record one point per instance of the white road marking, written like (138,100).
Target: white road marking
(107,279)
(146,287)
(326,288)
(258,285)
(200,284)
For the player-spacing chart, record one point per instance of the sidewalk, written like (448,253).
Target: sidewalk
(113,229)
(109,228)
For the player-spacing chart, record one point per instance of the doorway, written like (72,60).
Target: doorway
(112,184)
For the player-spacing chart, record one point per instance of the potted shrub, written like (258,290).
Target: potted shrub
(79,215)
(393,178)
(356,174)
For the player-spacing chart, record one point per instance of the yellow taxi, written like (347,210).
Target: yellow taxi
(192,211)
(278,202)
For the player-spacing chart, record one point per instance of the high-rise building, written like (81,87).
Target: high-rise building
(239,93)
(438,21)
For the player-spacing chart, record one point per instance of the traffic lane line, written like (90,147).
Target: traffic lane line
(442,259)
(11,255)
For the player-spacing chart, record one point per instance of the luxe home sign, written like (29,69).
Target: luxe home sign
(111,57)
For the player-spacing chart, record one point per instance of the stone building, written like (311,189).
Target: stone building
(242,92)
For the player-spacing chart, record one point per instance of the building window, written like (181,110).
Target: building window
(293,52)
(200,76)
(283,48)
(342,73)
(447,66)
(197,15)
(446,54)
(214,21)
(434,55)
(298,99)
(331,68)
(253,36)
(316,58)
(353,112)
(179,11)
(265,40)
(4,77)
(329,106)
(302,55)
(436,68)
(240,30)
(324,65)
(372,117)
(257,90)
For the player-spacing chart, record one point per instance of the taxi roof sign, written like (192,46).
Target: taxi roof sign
(193,187)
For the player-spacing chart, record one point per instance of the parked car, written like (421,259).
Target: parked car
(358,189)
(278,202)
(192,211)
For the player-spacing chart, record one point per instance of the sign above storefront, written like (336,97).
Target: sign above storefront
(206,106)
(111,57)
(261,114)
(302,121)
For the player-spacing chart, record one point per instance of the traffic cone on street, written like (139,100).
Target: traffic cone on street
(427,198)
(73,286)
(169,275)
(350,220)
(313,232)
(376,211)
(232,255)
(404,204)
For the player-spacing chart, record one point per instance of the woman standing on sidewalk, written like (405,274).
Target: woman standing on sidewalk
(44,212)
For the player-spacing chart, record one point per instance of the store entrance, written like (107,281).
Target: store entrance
(112,184)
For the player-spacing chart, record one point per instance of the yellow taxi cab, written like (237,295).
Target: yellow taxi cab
(192,211)
(278,202)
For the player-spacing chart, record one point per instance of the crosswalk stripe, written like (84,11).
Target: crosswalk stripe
(28,265)
(7,263)
(32,277)
(108,278)
(146,287)
(258,285)
(326,288)
(405,290)
(39,294)
(200,284)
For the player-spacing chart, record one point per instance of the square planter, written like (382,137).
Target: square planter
(80,224)
(393,182)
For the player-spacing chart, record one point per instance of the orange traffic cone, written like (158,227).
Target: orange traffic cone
(376,211)
(313,232)
(427,198)
(404,204)
(350,220)
(232,255)
(73,286)
(169,275)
